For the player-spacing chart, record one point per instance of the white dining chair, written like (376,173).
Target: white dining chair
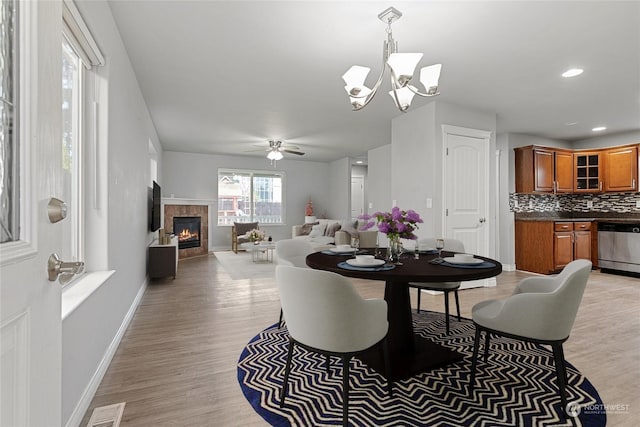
(451,245)
(540,310)
(326,315)
(292,252)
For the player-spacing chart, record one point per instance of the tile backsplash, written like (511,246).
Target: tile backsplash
(614,203)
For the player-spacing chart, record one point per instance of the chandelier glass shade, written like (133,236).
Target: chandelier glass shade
(401,69)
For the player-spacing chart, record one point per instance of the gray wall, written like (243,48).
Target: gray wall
(195,176)
(416,160)
(622,138)
(90,330)
(379,179)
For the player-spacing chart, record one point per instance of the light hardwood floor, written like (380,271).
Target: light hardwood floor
(176,365)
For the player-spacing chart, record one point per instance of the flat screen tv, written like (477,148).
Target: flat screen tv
(154,217)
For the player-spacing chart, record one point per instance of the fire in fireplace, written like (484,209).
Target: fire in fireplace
(187,228)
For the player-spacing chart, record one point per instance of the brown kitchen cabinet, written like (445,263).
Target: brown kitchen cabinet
(587,172)
(543,170)
(621,169)
(554,170)
(547,246)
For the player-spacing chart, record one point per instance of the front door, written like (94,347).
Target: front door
(30,323)
(466,188)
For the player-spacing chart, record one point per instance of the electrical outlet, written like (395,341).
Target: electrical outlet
(530,204)
(557,204)
(637,203)
(589,203)
(516,204)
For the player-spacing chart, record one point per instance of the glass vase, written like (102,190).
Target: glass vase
(394,250)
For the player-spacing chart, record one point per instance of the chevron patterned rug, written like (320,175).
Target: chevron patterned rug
(516,387)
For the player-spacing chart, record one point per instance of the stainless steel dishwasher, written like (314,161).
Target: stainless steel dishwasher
(619,246)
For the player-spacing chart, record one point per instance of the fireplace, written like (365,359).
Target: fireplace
(187,228)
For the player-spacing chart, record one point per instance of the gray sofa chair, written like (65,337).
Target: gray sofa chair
(451,245)
(238,231)
(541,310)
(325,314)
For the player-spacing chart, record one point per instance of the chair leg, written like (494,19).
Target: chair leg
(446,310)
(419,292)
(345,390)
(561,373)
(474,359)
(455,293)
(287,369)
(487,338)
(327,362)
(280,320)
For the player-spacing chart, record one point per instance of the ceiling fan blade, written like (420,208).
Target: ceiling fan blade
(299,153)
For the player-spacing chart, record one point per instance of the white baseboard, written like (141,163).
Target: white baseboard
(508,267)
(83,404)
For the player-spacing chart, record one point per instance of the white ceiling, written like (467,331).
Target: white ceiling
(221,76)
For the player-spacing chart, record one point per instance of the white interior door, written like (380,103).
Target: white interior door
(357,196)
(466,188)
(30,323)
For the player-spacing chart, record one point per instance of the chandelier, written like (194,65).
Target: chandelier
(401,67)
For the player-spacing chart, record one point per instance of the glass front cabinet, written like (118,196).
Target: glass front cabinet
(587,172)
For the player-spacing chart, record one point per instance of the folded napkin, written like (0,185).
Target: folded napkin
(383,267)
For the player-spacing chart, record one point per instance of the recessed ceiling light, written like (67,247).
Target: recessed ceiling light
(359,162)
(571,123)
(599,128)
(572,72)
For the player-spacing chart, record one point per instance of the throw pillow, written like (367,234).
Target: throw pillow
(306,228)
(331,229)
(318,230)
(351,227)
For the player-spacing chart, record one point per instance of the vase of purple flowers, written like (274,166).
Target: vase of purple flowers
(397,224)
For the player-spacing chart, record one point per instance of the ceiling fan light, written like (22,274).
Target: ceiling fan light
(271,155)
(405,96)
(429,77)
(277,155)
(403,65)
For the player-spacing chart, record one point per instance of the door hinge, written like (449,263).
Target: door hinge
(446,212)
(447,151)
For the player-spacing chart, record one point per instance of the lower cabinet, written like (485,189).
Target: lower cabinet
(547,246)
(163,259)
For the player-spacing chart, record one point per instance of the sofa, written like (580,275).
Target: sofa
(326,233)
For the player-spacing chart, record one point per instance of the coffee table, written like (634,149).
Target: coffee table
(261,252)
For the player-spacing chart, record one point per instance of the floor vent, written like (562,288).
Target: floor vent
(107,416)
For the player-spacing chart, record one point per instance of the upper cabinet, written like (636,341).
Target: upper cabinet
(588,172)
(554,170)
(543,170)
(621,169)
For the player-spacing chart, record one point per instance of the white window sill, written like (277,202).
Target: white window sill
(77,292)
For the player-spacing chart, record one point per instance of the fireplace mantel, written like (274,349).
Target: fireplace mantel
(181,201)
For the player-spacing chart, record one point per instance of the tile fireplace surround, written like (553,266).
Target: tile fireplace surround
(201,211)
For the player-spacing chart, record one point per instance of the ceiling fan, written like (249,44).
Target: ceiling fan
(277,148)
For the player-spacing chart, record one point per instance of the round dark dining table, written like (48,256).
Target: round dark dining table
(410,353)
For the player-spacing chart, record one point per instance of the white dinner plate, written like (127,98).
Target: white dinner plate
(340,251)
(452,260)
(370,263)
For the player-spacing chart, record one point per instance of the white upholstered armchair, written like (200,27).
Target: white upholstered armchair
(326,315)
(541,310)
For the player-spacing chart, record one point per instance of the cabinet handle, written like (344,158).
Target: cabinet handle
(600,185)
(633,183)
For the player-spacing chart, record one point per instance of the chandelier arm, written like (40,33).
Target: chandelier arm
(417,92)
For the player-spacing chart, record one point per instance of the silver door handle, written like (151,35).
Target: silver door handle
(55,267)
